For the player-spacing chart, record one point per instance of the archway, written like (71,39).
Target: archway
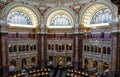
(13,62)
(24,63)
(68,61)
(105,67)
(95,14)
(12,66)
(60,62)
(50,62)
(33,62)
(95,67)
(86,64)
(60,19)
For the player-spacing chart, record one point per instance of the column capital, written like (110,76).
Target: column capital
(4,25)
(4,28)
(115,26)
(78,33)
(41,32)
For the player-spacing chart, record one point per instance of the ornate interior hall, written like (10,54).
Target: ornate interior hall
(59,38)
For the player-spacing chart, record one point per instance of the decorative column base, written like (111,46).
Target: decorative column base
(76,65)
(112,74)
(4,67)
(4,71)
(43,64)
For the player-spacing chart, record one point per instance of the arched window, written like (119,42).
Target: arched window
(20,48)
(35,47)
(63,47)
(18,17)
(31,47)
(95,48)
(104,50)
(52,46)
(61,20)
(60,47)
(70,47)
(108,50)
(23,47)
(87,48)
(56,47)
(15,48)
(91,48)
(102,16)
(99,49)
(86,63)
(67,47)
(10,48)
(27,47)
(48,46)
(84,47)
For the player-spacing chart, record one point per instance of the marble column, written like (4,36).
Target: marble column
(100,67)
(77,50)
(83,62)
(42,49)
(3,51)
(115,64)
(91,64)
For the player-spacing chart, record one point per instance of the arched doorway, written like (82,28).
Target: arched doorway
(13,62)
(33,62)
(12,66)
(60,62)
(50,62)
(95,67)
(105,67)
(24,63)
(86,64)
(68,62)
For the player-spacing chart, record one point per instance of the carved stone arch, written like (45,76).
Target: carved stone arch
(67,9)
(16,4)
(105,3)
(13,62)
(1,15)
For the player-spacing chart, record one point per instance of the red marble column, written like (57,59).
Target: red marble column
(77,50)
(3,54)
(115,63)
(42,49)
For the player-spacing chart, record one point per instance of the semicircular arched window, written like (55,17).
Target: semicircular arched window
(102,16)
(18,17)
(61,20)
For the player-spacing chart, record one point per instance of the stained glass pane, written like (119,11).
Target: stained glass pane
(102,16)
(18,17)
(61,20)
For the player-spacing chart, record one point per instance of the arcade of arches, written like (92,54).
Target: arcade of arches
(76,33)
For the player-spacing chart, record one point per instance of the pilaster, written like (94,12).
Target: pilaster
(115,63)
(42,49)
(91,65)
(77,50)
(100,67)
(3,51)
(83,62)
